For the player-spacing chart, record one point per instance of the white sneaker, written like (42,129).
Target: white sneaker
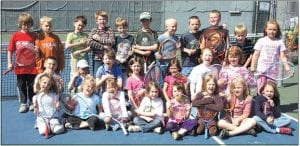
(158,130)
(31,107)
(23,108)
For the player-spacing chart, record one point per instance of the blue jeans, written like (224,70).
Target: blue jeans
(163,66)
(278,122)
(186,70)
(147,126)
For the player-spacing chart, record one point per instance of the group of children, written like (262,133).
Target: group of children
(195,98)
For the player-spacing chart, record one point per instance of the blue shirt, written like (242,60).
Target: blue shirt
(86,106)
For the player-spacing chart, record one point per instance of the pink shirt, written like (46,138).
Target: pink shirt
(135,85)
(170,80)
(241,106)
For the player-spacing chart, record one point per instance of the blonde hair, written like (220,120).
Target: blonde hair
(278,34)
(24,18)
(170,20)
(89,80)
(235,51)
(207,77)
(45,19)
(239,80)
(53,85)
(101,13)
(111,82)
(240,29)
(151,85)
(120,21)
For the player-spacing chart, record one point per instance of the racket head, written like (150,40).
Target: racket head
(278,72)
(216,68)
(153,74)
(26,57)
(67,105)
(145,38)
(168,49)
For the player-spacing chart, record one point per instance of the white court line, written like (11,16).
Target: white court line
(218,140)
(290,117)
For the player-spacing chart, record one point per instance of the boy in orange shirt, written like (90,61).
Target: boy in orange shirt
(49,44)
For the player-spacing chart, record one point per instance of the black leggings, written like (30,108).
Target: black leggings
(93,122)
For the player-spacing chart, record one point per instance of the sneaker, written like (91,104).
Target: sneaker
(108,127)
(252,132)
(31,107)
(130,128)
(285,130)
(224,134)
(23,108)
(158,130)
(176,135)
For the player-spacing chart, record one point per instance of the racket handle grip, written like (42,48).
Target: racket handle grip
(46,132)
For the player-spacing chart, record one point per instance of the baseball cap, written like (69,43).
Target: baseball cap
(82,63)
(145,15)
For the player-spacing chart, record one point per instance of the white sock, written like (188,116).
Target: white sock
(277,130)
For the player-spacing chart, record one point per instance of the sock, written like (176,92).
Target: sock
(277,130)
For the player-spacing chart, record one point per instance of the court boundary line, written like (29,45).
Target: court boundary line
(218,140)
(290,117)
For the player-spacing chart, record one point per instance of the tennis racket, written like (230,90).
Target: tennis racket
(277,71)
(67,104)
(26,57)
(121,125)
(168,49)
(47,123)
(180,111)
(7,71)
(153,74)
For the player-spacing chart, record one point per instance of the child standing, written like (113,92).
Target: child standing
(78,76)
(215,30)
(101,38)
(173,76)
(234,68)
(209,104)
(246,45)
(85,112)
(267,112)
(46,106)
(23,40)
(108,70)
(191,49)
(135,82)
(171,27)
(150,112)
(114,105)
(197,74)
(76,43)
(178,111)
(49,44)
(237,111)
(123,46)
(268,50)
(145,42)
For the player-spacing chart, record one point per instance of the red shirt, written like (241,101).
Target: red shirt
(18,41)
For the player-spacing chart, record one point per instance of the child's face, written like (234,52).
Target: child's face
(211,87)
(46,27)
(173,70)
(268,92)
(50,65)
(271,30)
(111,89)
(238,90)
(45,84)
(145,23)
(83,71)
(26,27)
(101,21)
(207,57)
(122,29)
(176,92)
(194,25)
(233,60)
(240,37)
(136,68)
(171,27)
(79,26)
(88,89)
(107,61)
(214,19)
(153,93)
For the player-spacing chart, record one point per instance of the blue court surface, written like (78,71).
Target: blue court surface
(18,129)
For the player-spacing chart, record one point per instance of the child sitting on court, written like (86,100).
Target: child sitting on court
(267,112)
(209,104)
(87,103)
(114,105)
(150,112)
(178,111)
(78,77)
(46,106)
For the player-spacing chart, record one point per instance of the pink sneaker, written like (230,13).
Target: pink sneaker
(285,130)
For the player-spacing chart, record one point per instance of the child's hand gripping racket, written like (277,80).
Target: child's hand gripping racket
(120,123)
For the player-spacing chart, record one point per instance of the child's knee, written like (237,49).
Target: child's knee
(213,130)
(58,129)
(200,127)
